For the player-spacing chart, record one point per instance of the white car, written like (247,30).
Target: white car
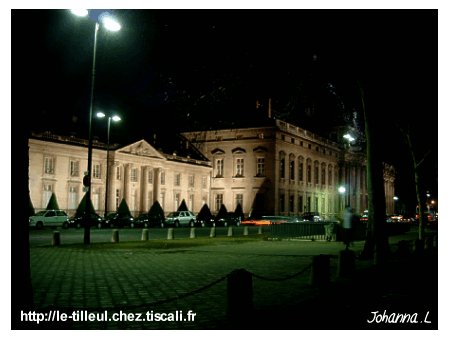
(180,218)
(49,218)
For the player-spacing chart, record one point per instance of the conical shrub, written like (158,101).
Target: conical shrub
(31,211)
(156,210)
(222,212)
(204,214)
(123,208)
(53,203)
(183,206)
(82,207)
(238,212)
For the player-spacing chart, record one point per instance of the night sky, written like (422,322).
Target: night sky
(179,70)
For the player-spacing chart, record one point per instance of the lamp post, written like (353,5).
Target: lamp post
(350,139)
(114,118)
(395,198)
(109,23)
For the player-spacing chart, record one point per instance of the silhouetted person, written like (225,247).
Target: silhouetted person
(348,226)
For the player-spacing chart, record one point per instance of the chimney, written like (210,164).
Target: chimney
(270,107)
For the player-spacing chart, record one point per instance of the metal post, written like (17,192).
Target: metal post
(87,234)
(107,169)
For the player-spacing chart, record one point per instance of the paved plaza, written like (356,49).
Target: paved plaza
(69,279)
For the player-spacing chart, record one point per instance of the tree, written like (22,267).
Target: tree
(123,208)
(238,212)
(52,203)
(204,214)
(82,207)
(31,211)
(156,210)
(183,206)
(222,212)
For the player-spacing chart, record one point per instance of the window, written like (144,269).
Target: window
(300,204)
(300,171)
(73,199)
(48,165)
(317,149)
(117,198)
(204,182)
(330,176)
(323,175)
(204,198)
(219,201)
(96,172)
(118,173)
(260,167)
(150,175)
(239,200)
(163,178)
(316,204)
(176,202)
(73,168)
(323,206)
(240,167)
(293,140)
(301,143)
(291,203)
(96,198)
(282,167)
(282,202)
(134,175)
(292,169)
(309,146)
(48,188)
(309,172)
(316,174)
(308,204)
(191,203)
(283,137)
(191,180)
(219,168)
(177,179)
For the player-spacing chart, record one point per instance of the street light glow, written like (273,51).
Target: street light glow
(341,189)
(110,23)
(116,118)
(100,115)
(80,12)
(395,198)
(347,136)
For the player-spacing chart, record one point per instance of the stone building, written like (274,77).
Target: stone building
(285,170)
(138,172)
(279,167)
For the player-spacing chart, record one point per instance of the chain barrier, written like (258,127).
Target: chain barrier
(159,302)
(280,279)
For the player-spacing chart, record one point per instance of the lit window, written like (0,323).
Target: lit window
(240,167)
(134,175)
(219,168)
(97,172)
(177,179)
(73,168)
(48,165)
(219,201)
(260,169)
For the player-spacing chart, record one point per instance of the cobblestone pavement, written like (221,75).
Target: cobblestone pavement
(115,279)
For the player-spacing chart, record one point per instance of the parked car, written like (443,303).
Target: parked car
(365,216)
(149,221)
(312,216)
(49,218)
(180,218)
(76,221)
(119,221)
(229,219)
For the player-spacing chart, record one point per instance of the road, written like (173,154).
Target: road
(69,236)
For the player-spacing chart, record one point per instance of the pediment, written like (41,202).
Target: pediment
(140,148)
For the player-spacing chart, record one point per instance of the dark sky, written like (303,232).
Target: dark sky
(197,69)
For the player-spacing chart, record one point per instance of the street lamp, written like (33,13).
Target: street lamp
(350,139)
(105,17)
(114,118)
(395,198)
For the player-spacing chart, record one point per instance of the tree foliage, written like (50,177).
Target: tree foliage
(156,210)
(183,206)
(82,207)
(123,208)
(204,214)
(31,211)
(53,203)
(222,212)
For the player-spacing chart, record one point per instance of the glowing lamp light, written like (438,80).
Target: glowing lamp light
(116,118)
(101,115)
(341,189)
(80,12)
(395,198)
(347,136)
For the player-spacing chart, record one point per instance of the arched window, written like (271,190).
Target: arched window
(323,169)
(316,172)
(300,168)
(308,169)
(292,167)
(282,164)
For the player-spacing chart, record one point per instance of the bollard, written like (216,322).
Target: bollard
(428,243)
(239,295)
(260,230)
(115,236)
(346,264)
(193,233)
(418,246)
(403,249)
(170,234)
(245,231)
(320,271)
(144,235)
(56,238)
(435,241)
(230,231)
(213,232)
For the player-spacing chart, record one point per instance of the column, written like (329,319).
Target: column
(126,182)
(144,189)
(157,185)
